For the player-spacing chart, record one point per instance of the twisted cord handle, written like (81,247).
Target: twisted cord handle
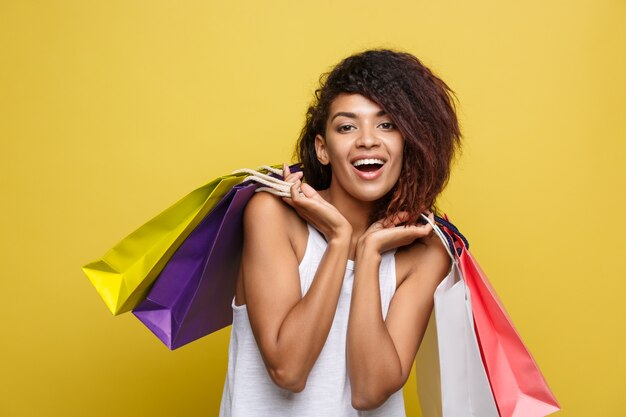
(272,184)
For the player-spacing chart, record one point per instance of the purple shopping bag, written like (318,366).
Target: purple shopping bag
(192,296)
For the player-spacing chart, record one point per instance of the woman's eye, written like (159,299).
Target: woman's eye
(387,125)
(344,128)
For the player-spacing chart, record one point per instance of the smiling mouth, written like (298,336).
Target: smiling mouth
(368,165)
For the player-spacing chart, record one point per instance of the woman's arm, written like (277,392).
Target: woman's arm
(290,330)
(381,352)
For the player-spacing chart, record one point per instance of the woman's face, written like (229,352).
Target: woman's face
(363,147)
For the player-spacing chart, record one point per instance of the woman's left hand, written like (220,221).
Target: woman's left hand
(385,234)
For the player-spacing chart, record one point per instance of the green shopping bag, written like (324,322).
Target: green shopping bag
(125,273)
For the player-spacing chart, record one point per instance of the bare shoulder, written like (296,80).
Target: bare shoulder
(428,255)
(265,205)
(268,215)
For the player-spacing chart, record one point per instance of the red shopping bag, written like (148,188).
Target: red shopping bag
(519,388)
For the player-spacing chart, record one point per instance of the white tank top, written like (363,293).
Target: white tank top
(250,392)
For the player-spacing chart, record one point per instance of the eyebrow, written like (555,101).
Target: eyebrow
(353,116)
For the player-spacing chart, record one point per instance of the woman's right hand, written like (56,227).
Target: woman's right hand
(314,209)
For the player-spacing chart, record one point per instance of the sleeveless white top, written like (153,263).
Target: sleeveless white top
(250,392)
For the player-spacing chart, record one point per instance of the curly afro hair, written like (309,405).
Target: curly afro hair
(422,107)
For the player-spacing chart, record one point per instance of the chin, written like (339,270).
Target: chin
(370,195)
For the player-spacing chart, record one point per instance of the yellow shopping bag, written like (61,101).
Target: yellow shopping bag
(125,273)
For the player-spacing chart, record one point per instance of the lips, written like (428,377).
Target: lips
(369,175)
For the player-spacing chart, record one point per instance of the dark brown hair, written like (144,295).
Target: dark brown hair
(419,103)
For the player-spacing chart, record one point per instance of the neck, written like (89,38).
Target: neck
(355,211)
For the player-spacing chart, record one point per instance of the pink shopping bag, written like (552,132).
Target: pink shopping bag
(519,388)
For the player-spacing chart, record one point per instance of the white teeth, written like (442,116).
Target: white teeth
(368,161)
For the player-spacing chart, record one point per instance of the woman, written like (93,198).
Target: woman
(336,283)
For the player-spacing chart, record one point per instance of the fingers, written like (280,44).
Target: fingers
(290,177)
(295,180)
(308,191)
(294,194)
(431,217)
(298,200)
(301,193)
(295,191)
(394,219)
(403,216)
(400,217)
(302,189)
(287,172)
(392,237)
(293,177)
(427,227)
(415,232)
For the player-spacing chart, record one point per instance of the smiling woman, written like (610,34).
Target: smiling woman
(327,319)
(361,145)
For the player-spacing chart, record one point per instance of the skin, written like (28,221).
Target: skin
(291,330)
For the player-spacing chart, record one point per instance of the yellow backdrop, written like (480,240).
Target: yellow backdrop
(111,111)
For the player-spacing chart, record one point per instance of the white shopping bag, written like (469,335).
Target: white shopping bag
(464,387)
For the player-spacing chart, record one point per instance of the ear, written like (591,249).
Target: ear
(320,149)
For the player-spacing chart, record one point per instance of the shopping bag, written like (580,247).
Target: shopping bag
(182,306)
(464,387)
(519,388)
(124,274)
(192,296)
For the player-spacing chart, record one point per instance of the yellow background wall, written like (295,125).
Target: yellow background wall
(111,111)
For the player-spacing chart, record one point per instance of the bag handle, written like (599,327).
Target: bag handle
(443,236)
(272,184)
(454,231)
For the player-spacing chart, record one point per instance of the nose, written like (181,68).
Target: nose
(368,138)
